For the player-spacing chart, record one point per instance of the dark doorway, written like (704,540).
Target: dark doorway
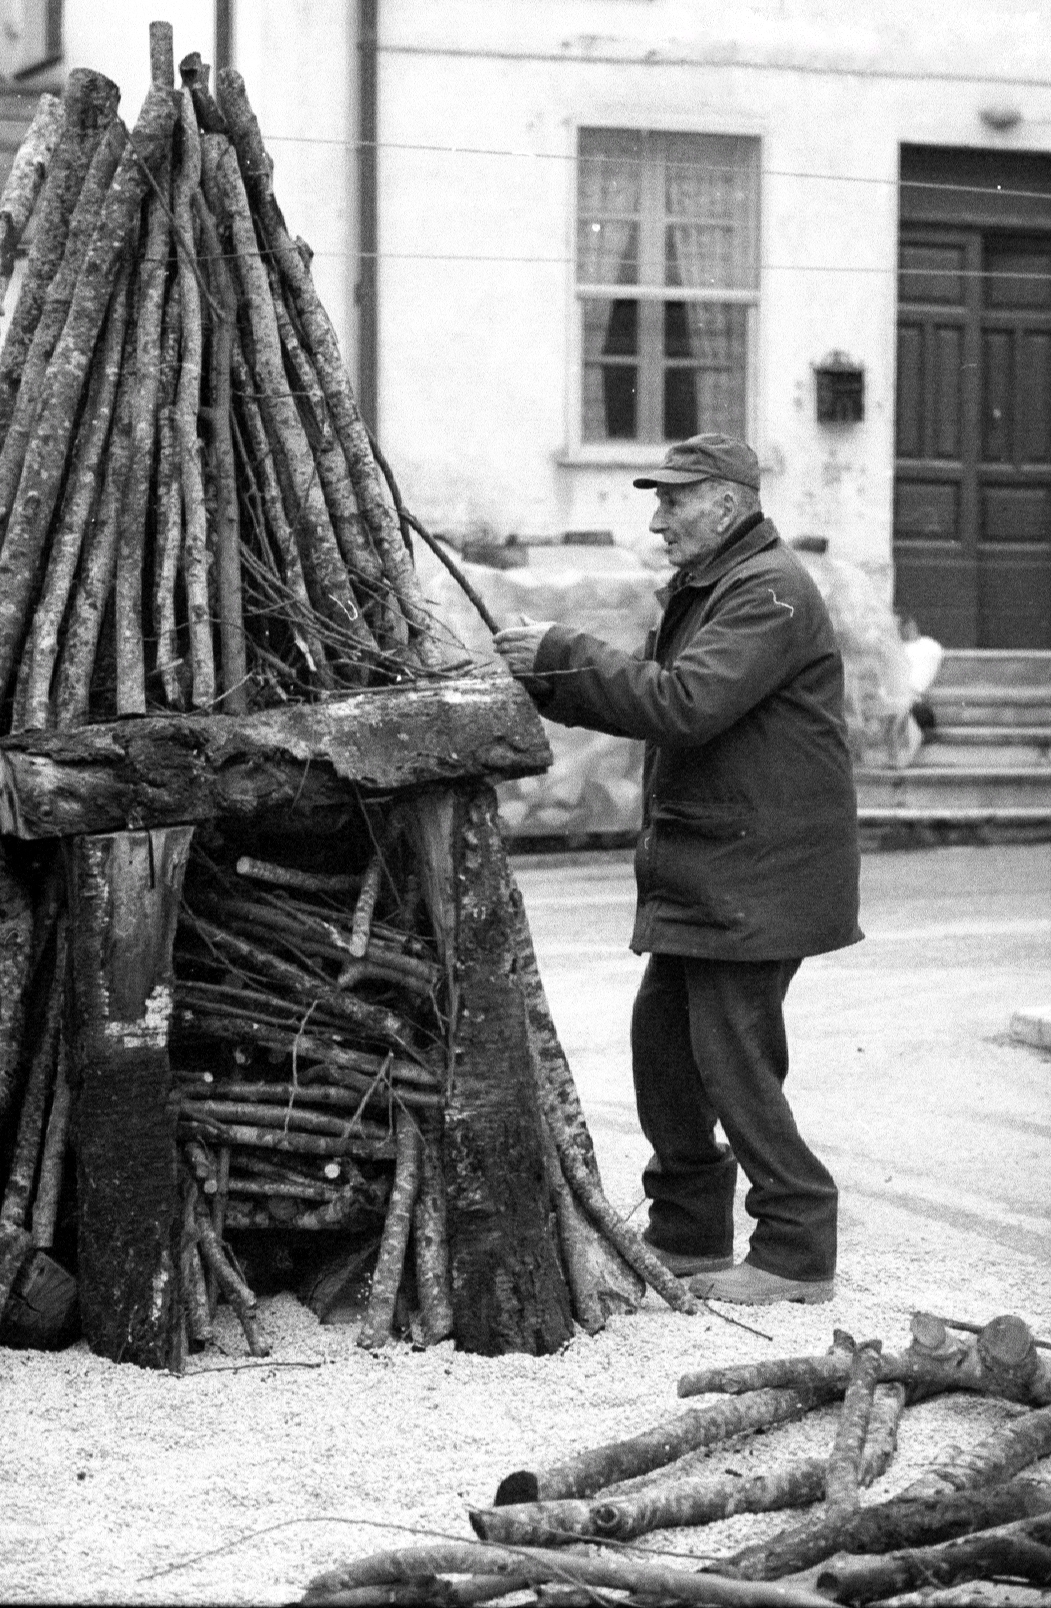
(972,494)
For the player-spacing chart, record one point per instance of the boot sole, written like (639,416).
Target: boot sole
(798,1294)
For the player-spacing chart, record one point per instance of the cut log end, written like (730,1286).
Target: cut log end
(521,1486)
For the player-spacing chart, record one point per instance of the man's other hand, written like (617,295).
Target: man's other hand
(518,645)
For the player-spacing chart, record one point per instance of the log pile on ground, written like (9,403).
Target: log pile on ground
(981,1514)
(194,521)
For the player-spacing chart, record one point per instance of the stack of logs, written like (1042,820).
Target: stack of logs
(968,1517)
(191,512)
(308,1042)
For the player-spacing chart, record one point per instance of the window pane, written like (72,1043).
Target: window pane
(609,189)
(711,187)
(607,251)
(611,343)
(705,346)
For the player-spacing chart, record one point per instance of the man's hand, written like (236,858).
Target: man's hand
(518,645)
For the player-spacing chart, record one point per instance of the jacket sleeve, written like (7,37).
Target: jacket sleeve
(759,637)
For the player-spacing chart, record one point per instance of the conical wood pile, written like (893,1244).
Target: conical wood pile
(191,514)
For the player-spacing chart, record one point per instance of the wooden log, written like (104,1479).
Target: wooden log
(998,1456)
(651,1581)
(431,1240)
(55,310)
(994,1461)
(16,946)
(167,551)
(891,1525)
(56,1140)
(1011,1361)
(14,1212)
(193,1290)
(89,105)
(98,564)
(334,884)
(232,1285)
(320,340)
(259,463)
(292,1189)
(354,1070)
(288,1117)
(670,1504)
(326,575)
(25,181)
(124,897)
(131,545)
(43,474)
(78,503)
(187,404)
(373,1020)
(616,1280)
(294,1142)
(386,1280)
(629,1244)
(1019,1551)
(962,1369)
(350,530)
(881,1437)
(300,1096)
(162,55)
(365,907)
(844,1464)
(592,1470)
(220,1204)
(509,1291)
(232,660)
(203,1165)
(174,768)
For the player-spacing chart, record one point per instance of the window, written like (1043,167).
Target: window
(668,282)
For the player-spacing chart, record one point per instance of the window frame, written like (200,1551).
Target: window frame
(640,453)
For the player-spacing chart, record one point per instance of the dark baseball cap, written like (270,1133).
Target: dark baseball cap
(705,457)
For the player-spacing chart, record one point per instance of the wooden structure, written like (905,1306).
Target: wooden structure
(261,953)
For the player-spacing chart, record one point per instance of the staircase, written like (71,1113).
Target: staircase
(988,760)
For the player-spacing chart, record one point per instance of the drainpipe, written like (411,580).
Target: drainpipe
(366,290)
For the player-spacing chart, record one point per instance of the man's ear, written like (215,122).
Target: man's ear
(729,513)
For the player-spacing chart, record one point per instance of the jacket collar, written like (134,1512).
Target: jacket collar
(744,541)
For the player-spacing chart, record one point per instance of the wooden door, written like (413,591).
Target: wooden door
(972,495)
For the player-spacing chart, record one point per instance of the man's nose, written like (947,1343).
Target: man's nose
(659,522)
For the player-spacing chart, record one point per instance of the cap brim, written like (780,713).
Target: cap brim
(670,477)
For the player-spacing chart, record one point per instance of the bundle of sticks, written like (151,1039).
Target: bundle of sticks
(308,1037)
(35,1100)
(191,511)
(969,1516)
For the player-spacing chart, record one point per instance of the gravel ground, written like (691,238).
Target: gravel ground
(237,1486)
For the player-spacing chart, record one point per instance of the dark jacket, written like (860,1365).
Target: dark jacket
(749,844)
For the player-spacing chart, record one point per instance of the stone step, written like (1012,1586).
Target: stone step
(979,667)
(935,792)
(990,705)
(1000,751)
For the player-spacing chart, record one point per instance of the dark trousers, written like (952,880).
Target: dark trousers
(708,1044)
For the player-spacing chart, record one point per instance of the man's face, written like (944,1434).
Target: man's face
(692,520)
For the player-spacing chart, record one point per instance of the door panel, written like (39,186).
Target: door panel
(972,507)
(934,568)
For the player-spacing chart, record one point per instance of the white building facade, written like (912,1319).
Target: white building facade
(557,234)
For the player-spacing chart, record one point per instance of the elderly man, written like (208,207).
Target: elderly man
(747,862)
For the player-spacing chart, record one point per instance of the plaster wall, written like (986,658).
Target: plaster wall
(299,62)
(479,107)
